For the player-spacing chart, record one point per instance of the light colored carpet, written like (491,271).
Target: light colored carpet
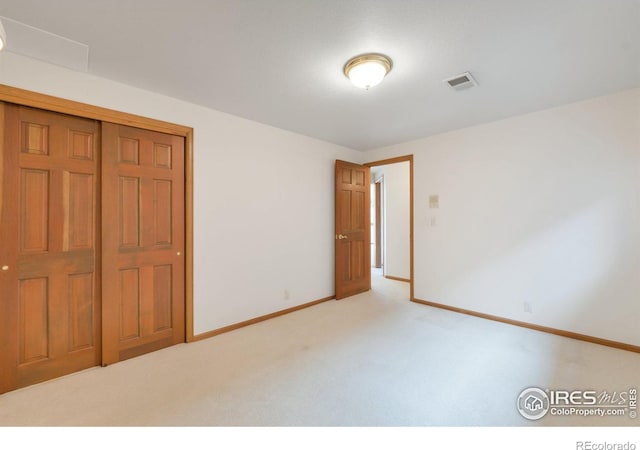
(375,359)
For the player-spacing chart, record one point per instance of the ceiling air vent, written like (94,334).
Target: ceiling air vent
(462,81)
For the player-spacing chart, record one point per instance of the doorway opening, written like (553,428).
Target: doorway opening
(377,223)
(392,220)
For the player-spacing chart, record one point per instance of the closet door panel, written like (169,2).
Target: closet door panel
(50,298)
(143,241)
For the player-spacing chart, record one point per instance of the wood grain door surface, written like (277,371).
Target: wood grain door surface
(49,283)
(92,221)
(353,229)
(142,241)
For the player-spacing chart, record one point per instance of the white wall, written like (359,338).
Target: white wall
(263,199)
(396,218)
(542,208)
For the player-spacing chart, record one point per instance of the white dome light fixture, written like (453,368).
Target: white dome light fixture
(368,70)
(3,37)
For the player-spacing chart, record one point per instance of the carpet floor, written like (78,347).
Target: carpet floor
(375,359)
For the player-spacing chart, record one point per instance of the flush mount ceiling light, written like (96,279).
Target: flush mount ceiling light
(366,71)
(3,37)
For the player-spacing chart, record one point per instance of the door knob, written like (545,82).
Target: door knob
(341,236)
(5,268)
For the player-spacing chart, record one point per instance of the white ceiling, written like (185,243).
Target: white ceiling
(280,61)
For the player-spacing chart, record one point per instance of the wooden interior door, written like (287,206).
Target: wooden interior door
(378,221)
(353,229)
(49,257)
(143,241)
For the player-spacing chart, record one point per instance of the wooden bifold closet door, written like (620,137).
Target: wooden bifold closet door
(91,244)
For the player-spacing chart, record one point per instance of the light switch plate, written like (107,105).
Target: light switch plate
(434,201)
